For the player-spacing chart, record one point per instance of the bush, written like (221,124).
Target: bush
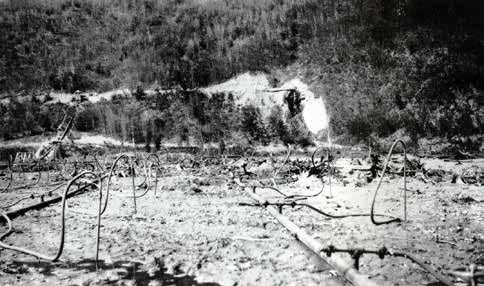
(253,125)
(298,132)
(277,127)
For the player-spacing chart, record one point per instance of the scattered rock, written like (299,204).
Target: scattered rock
(195,189)
(201,182)
(463,199)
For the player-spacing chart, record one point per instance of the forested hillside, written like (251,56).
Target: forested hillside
(381,65)
(95,44)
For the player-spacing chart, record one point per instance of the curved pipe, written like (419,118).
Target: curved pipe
(32,184)
(158,163)
(282,165)
(263,186)
(419,262)
(111,170)
(99,166)
(146,179)
(390,152)
(62,237)
(319,211)
(314,154)
(321,164)
(294,204)
(270,188)
(254,187)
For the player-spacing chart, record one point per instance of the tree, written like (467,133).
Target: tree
(252,123)
(181,122)
(277,126)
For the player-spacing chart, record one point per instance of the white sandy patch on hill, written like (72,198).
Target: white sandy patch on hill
(255,89)
(252,89)
(98,140)
(93,97)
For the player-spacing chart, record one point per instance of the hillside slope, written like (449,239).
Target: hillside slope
(381,66)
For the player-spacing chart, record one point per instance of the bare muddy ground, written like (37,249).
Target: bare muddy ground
(198,234)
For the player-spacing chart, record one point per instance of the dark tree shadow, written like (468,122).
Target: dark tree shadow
(127,270)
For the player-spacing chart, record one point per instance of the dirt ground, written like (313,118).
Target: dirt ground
(194,231)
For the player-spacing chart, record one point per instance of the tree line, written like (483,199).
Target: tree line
(190,116)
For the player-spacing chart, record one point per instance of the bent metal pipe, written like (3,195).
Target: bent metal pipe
(60,248)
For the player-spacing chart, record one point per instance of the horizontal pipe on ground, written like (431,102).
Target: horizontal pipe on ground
(344,268)
(22,210)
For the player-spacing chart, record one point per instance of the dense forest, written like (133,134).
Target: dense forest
(381,65)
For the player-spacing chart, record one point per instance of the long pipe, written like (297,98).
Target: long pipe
(22,210)
(345,269)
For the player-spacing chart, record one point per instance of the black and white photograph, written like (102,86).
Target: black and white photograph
(242,142)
